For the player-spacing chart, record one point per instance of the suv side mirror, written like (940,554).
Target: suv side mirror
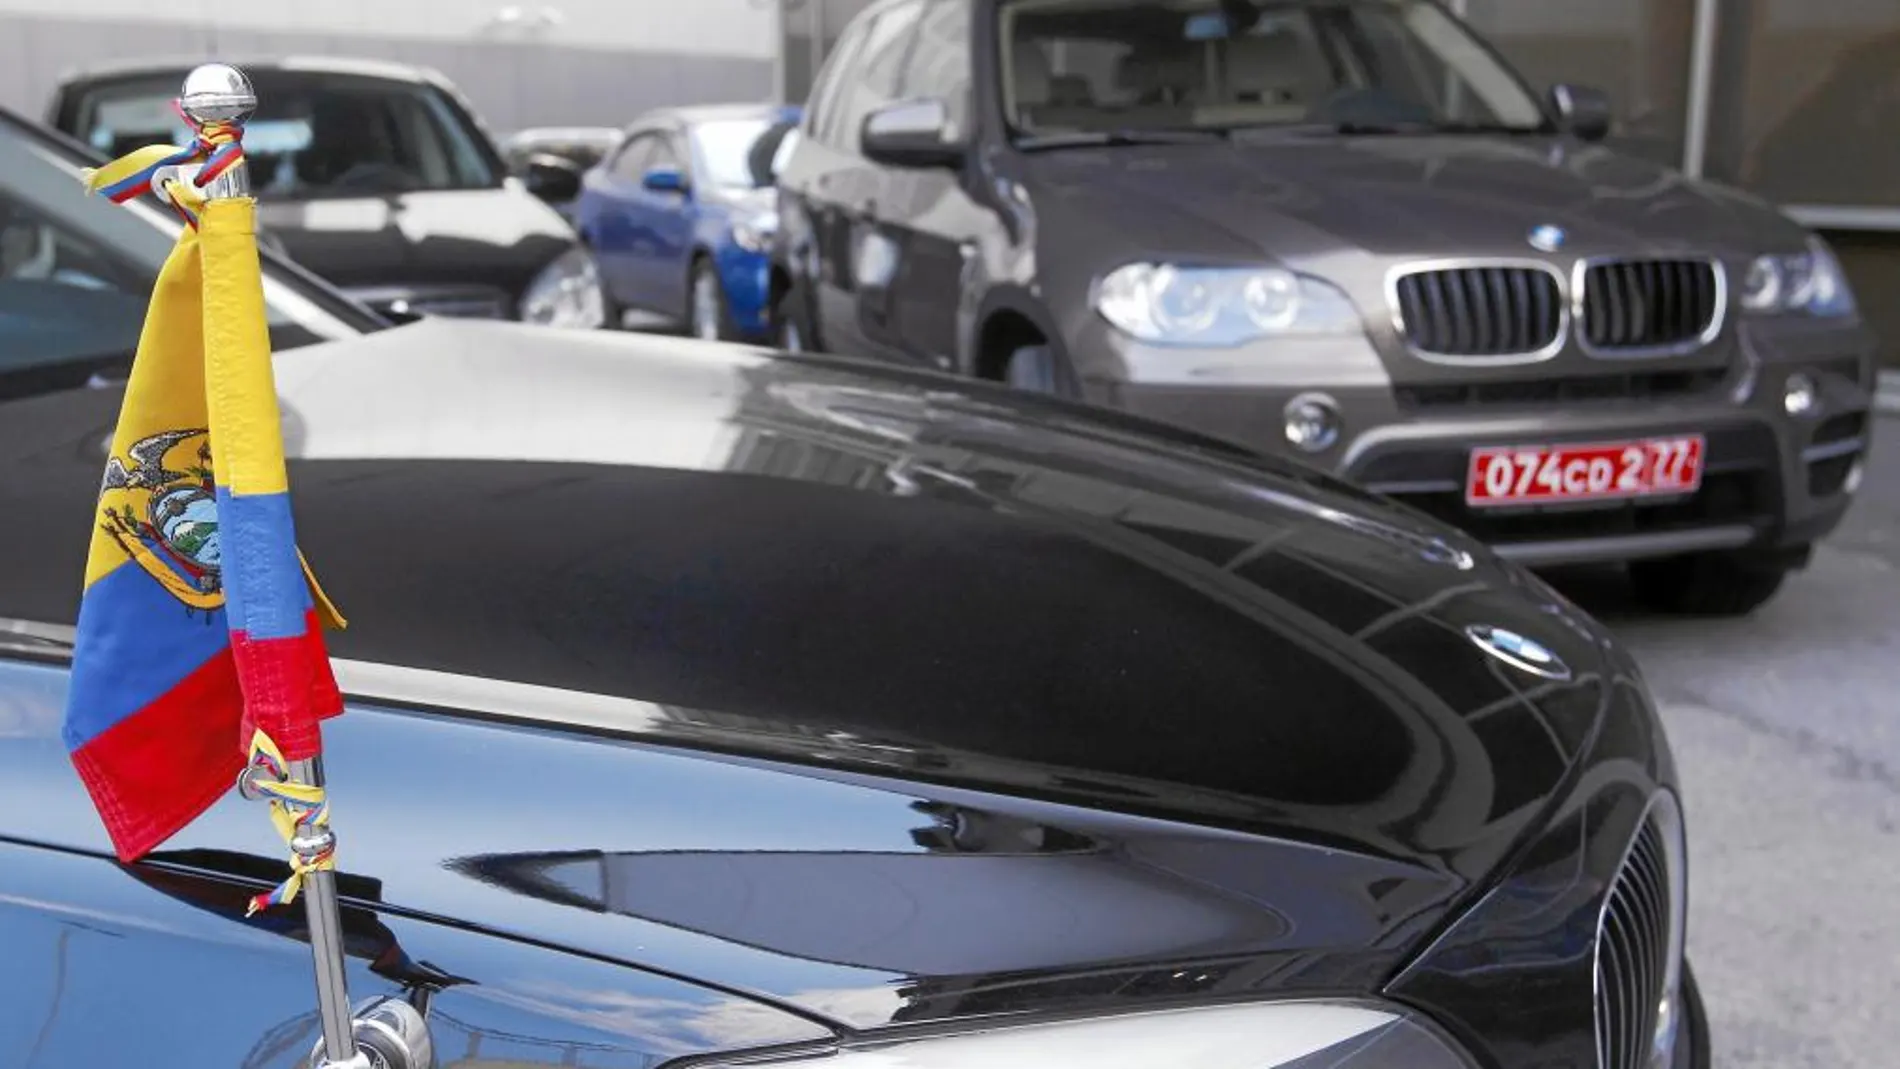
(552,178)
(1583,111)
(664,180)
(911,133)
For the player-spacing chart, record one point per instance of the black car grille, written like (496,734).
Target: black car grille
(1635,386)
(1633,946)
(1649,304)
(1480,311)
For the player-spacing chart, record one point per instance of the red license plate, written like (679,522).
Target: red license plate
(1525,474)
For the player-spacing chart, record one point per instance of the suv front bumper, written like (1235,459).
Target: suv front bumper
(1772,483)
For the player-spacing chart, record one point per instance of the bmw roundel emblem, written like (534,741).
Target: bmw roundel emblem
(1524,654)
(1548,237)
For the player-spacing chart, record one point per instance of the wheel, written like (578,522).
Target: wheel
(706,304)
(1708,584)
(1037,369)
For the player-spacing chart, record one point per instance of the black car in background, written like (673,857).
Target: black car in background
(715,707)
(377,177)
(76,273)
(1343,231)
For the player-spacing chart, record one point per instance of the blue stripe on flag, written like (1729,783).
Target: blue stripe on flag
(136,642)
(264,588)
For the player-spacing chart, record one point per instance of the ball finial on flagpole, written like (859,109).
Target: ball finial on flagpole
(218,93)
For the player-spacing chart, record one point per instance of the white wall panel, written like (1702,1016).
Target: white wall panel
(740,28)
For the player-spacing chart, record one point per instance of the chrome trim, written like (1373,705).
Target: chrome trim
(1664,809)
(1696,109)
(1831,450)
(1626,547)
(1415,267)
(1579,273)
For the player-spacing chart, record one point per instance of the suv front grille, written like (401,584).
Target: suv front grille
(1480,310)
(1639,386)
(1635,940)
(1649,304)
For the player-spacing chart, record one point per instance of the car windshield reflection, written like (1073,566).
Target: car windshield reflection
(1361,66)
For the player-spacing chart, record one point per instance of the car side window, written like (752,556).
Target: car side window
(886,45)
(631,164)
(939,63)
(666,154)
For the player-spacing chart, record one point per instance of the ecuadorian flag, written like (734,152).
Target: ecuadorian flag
(199,625)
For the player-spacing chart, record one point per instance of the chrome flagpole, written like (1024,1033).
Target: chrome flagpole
(393,1034)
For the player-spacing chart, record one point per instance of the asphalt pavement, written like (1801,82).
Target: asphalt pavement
(1787,728)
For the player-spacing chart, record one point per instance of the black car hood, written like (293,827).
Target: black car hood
(1399,195)
(906,695)
(497,238)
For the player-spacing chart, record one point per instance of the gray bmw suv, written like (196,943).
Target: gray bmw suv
(1347,232)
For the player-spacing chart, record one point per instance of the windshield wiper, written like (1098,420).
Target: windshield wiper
(1090,138)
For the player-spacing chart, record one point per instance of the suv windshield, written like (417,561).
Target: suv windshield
(316,133)
(76,273)
(1105,66)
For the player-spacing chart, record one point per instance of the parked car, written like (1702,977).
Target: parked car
(1345,231)
(713,704)
(76,272)
(681,216)
(375,176)
(529,153)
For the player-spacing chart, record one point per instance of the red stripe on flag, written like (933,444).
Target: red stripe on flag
(157,770)
(288,688)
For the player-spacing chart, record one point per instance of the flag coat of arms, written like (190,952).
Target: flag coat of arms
(199,639)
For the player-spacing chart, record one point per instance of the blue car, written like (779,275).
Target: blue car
(681,216)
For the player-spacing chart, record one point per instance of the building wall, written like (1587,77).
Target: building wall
(586,62)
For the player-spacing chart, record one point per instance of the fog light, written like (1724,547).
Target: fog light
(1798,396)
(1312,422)
(1852,482)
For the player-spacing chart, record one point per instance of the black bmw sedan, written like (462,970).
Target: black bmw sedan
(712,706)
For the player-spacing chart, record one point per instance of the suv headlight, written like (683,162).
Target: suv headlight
(1280,1035)
(1810,282)
(755,234)
(566,293)
(1176,305)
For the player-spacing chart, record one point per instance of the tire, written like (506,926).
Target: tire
(706,316)
(1037,369)
(1707,584)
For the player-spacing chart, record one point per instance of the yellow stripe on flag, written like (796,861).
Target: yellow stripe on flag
(126,166)
(249,443)
(167,391)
